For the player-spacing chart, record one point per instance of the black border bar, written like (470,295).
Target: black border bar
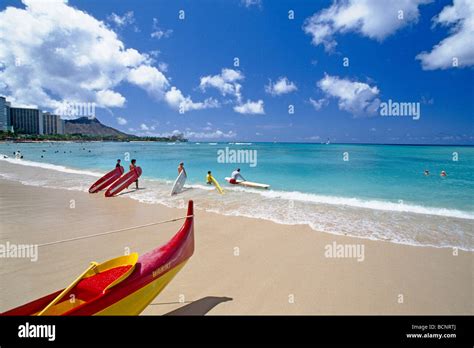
(175,330)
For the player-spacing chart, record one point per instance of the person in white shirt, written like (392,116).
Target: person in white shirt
(236,175)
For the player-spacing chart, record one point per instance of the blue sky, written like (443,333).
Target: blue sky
(141,64)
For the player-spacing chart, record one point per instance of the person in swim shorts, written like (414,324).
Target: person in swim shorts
(236,175)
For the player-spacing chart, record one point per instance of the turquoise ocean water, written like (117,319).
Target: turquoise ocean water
(368,191)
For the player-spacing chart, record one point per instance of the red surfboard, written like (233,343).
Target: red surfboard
(123,182)
(106,180)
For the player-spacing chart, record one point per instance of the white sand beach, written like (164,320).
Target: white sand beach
(240,265)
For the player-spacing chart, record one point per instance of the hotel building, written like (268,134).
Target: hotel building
(28,120)
(4,115)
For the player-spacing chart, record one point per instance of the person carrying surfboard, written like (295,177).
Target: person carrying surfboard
(132,167)
(209,178)
(181,168)
(236,175)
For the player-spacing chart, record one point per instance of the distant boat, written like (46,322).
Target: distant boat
(328,142)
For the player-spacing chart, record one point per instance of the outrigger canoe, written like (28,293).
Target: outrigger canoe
(122,286)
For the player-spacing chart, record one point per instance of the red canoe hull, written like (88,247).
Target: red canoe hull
(124,182)
(106,180)
(149,268)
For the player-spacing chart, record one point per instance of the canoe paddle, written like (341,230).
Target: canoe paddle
(69,288)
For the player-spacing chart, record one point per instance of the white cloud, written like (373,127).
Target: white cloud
(250,3)
(121,21)
(26,106)
(110,98)
(189,134)
(54,44)
(165,134)
(175,98)
(358,98)
(163,66)
(150,79)
(217,134)
(154,53)
(318,104)
(145,127)
(250,107)
(150,132)
(159,33)
(375,19)
(282,86)
(458,45)
(226,82)
(122,121)
(373,129)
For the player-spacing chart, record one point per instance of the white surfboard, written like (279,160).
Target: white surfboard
(250,184)
(179,183)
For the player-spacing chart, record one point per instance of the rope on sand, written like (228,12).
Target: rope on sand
(114,231)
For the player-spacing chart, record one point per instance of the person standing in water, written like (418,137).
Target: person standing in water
(133,167)
(181,168)
(443,173)
(427,172)
(209,178)
(118,164)
(236,175)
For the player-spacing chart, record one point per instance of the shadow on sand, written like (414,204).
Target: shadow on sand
(199,307)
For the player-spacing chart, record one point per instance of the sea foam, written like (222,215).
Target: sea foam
(370,219)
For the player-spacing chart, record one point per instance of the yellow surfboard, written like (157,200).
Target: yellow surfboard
(216,184)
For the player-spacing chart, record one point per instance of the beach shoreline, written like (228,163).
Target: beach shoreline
(241,265)
(343,213)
